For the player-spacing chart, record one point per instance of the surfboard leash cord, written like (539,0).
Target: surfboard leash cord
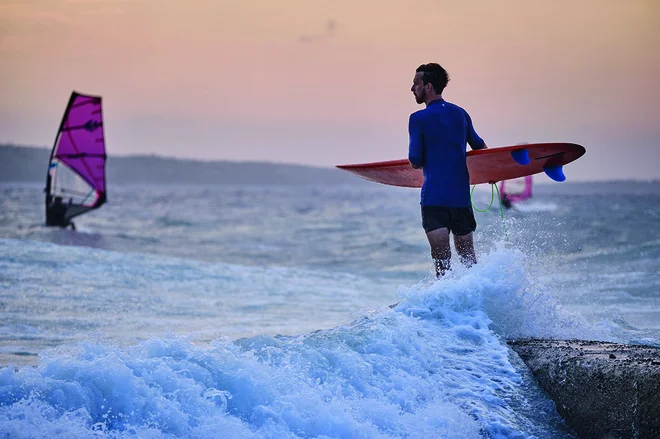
(493,188)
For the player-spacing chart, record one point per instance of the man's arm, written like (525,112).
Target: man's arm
(416,147)
(473,138)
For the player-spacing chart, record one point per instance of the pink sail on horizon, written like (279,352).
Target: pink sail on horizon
(81,143)
(516,190)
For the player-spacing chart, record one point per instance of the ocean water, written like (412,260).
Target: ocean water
(265,312)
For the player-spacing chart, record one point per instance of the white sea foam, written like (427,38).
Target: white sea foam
(436,365)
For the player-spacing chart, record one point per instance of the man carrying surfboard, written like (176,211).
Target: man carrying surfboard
(439,134)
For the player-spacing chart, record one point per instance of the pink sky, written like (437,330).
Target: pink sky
(324,82)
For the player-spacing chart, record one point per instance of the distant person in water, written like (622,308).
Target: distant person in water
(505,201)
(439,135)
(56,215)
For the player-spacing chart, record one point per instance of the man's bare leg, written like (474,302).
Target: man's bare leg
(465,249)
(440,250)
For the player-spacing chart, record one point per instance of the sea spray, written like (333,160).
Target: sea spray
(433,366)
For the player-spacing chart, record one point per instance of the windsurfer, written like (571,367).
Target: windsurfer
(56,214)
(505,201)
(76,169)
(515,191)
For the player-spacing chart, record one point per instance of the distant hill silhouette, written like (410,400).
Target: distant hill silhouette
(28,164)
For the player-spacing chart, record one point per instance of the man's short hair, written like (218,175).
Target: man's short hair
(435,75)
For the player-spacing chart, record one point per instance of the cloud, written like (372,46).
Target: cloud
(13,44)
(22,24)
(102,1)
(26,13)
(104,12)
(330,30)
(99,7)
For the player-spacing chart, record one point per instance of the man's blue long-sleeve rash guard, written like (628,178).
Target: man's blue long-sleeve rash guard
(438,137)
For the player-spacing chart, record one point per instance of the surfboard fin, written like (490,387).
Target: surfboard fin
(555,172)
(521,156)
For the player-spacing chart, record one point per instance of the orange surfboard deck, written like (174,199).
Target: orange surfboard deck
(485,166)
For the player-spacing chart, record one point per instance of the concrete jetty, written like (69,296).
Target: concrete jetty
(602,390)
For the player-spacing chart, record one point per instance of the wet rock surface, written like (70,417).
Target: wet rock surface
(602,390)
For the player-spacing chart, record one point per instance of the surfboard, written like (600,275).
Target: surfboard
(485,166)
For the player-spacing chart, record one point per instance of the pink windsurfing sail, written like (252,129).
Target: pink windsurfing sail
(516,190)
(75,181)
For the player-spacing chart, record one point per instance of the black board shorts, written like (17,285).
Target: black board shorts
(459,220)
